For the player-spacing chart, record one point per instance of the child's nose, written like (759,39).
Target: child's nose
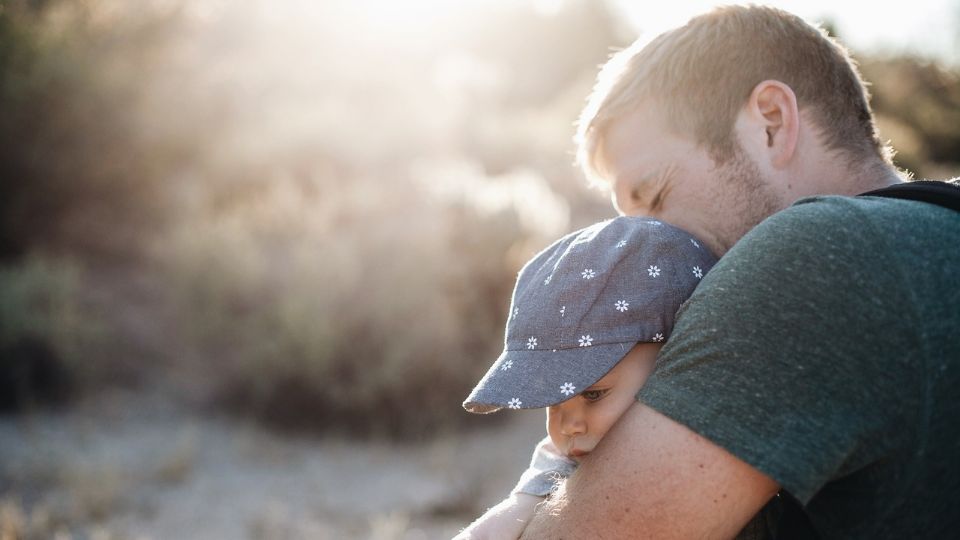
(572,423)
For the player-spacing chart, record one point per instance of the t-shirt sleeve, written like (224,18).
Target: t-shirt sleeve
(777,356)
(547,467)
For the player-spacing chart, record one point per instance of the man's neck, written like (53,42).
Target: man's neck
(854,180)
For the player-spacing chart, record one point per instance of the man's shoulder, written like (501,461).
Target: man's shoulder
(830,210)
(810,228)
(870,207)
(826,248)
(848,225)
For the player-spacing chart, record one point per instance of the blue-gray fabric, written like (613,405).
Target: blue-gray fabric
(581,304)
(824,350)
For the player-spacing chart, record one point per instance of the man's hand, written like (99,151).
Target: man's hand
(651,477)
(505,521)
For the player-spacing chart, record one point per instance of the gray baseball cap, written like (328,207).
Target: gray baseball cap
(580,305)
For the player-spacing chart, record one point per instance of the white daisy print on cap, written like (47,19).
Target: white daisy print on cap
(605,273)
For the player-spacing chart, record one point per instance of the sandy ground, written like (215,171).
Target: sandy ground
(137,467)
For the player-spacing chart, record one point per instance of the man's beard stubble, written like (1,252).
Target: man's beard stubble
(749,197)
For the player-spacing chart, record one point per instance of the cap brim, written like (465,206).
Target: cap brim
(531,379)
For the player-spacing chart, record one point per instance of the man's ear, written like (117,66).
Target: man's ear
(773,118)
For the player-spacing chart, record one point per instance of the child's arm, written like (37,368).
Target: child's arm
(509,517)
(505,521)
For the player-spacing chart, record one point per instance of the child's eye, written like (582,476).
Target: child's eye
(594,395)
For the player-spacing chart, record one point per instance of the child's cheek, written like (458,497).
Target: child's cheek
(604,415)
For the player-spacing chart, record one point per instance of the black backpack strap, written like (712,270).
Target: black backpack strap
(945,194)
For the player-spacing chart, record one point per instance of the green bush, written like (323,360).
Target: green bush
(46,337)
(77,170)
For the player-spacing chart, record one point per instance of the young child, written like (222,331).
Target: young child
(587,318)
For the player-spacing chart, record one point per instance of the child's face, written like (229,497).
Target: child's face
(577,425)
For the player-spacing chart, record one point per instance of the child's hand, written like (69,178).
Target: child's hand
(504,521)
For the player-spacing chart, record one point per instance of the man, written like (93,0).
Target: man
(820,358)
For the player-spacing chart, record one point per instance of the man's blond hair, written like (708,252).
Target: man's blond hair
(700,76)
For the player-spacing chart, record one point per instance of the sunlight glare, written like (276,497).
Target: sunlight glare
(407,14)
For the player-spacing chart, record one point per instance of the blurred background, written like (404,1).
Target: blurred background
(254,254)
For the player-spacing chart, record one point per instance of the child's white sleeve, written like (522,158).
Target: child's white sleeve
(547,467)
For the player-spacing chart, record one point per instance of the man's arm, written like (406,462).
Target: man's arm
(504,521)
(651,477)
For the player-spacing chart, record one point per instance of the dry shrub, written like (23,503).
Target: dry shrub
(48,341)
(12,520)
(19,523)
(366,306)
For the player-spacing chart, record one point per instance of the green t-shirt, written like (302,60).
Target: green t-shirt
(824,350)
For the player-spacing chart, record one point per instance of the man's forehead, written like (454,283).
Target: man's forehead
(639,139)
(626,153)
(624,133)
